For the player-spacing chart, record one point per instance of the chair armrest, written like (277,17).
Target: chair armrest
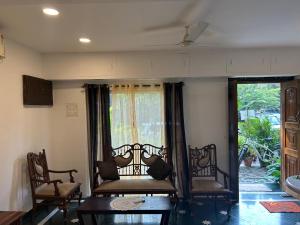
(65,171)
(172,178)
(225,176)
(222,172)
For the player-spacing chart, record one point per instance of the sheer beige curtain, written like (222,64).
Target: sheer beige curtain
(137,114)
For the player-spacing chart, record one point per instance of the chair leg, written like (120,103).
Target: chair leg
(65,210)
(215,203)
(33,211)
(173,198)
(229,207)
(79,198)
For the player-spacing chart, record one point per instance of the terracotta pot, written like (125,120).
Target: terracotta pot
(248,161)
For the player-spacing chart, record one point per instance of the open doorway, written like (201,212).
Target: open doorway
(289,127)
(258,106)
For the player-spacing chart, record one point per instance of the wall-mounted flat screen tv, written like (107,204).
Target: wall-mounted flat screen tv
(37,91)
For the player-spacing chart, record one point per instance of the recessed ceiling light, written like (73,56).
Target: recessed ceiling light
(50,11)
(84,40)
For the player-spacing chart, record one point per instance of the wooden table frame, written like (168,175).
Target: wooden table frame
(10,217)
(95,206)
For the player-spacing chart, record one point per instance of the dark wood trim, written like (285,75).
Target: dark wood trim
(233,139)
(233,124)
(251,80)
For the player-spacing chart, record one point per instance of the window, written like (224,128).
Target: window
(137,115)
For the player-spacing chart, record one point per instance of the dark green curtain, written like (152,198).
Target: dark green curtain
(105,121)
(98,123)
(175,136)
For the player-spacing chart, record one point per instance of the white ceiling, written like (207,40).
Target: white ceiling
(121,25)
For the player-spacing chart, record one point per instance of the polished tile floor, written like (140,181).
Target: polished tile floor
(248,212)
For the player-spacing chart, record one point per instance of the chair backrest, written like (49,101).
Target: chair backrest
(135,159)
(38,169)
(203,161)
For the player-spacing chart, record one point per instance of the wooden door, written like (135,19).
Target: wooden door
(290,141)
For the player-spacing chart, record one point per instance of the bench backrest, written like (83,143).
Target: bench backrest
(135,159)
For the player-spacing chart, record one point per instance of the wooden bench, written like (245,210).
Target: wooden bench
(132,163)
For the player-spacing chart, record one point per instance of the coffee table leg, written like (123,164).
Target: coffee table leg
(80,218)
(94,219)
(165,218)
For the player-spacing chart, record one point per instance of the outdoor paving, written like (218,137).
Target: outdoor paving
(253,175)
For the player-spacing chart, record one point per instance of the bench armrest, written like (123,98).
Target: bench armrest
(96,181)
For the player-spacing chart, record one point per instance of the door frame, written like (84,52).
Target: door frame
(233,124)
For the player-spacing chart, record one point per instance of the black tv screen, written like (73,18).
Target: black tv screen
(37,91)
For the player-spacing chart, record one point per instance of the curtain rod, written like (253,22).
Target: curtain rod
(124,85)
(135,85)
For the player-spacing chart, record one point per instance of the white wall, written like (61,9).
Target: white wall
(22,130)
(69,133)
(172,64)
(206,115)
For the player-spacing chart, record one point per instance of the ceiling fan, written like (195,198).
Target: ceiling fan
(192,33)
(190,36)
(190,20)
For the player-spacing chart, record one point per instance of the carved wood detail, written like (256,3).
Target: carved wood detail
(203,161)
(291,104)
(290,139)
(291,164)
(134,160)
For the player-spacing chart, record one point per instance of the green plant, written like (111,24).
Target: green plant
(265,96)
(273,169)
(259,135)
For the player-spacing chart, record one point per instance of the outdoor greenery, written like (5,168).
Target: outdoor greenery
(260,97)
(259,131)
(258,137)
(273,169)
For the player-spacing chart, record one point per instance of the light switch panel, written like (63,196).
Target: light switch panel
(71,110)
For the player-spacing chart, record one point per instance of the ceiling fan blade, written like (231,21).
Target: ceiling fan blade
(167,28)
(195,11)
(196,30)
(162,45)
(205,45)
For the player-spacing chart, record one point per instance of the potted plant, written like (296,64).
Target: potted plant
(249,157)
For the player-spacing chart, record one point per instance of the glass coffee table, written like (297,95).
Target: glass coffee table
(102,205)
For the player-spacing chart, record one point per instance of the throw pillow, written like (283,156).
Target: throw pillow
(108,170)
(159,169)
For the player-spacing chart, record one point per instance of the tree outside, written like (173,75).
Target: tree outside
(259,131)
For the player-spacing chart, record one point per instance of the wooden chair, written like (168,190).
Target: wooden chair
(50,192)
(204,175)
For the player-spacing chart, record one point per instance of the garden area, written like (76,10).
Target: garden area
(259,133)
